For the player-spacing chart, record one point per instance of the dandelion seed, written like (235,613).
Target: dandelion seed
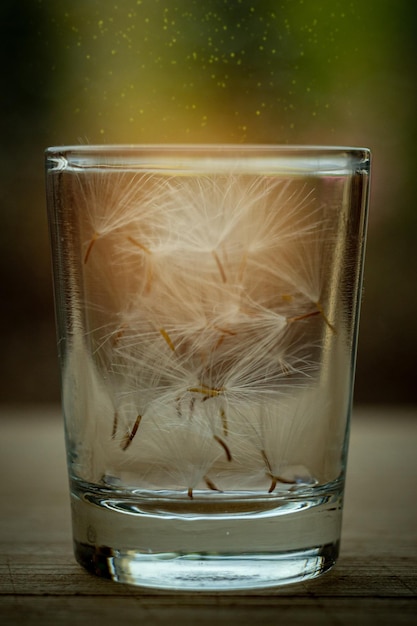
(115,422)
(279,479)
(178,452)
(224,446)
(206,391)
(167,338)
(224,422)
(210,484)
(130,434)
(304,316)
(90,246)
(324,316)
(274,479)
(286,481)
(319,311)
(111,201)
(273,484)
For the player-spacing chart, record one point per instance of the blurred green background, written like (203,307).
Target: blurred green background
(235,71)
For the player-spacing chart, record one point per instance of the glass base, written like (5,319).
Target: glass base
(237,544)
(198,572)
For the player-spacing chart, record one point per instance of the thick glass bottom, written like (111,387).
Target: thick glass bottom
(207,545)
(199,572)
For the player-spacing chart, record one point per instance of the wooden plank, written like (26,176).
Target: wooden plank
(354,576)
(53,611)
(374,582)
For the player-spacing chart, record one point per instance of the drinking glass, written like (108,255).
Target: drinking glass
(207,301)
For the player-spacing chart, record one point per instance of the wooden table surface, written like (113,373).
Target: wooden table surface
(374,581)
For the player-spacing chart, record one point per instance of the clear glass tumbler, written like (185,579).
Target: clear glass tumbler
(207,302)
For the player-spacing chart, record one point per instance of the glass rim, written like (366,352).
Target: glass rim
(204,147)
(205,157)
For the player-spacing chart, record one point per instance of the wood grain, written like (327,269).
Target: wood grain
(374,582)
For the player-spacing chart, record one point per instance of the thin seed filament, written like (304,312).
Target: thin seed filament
(140,245)
(220,266)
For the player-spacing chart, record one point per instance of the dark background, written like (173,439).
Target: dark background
(283,71)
